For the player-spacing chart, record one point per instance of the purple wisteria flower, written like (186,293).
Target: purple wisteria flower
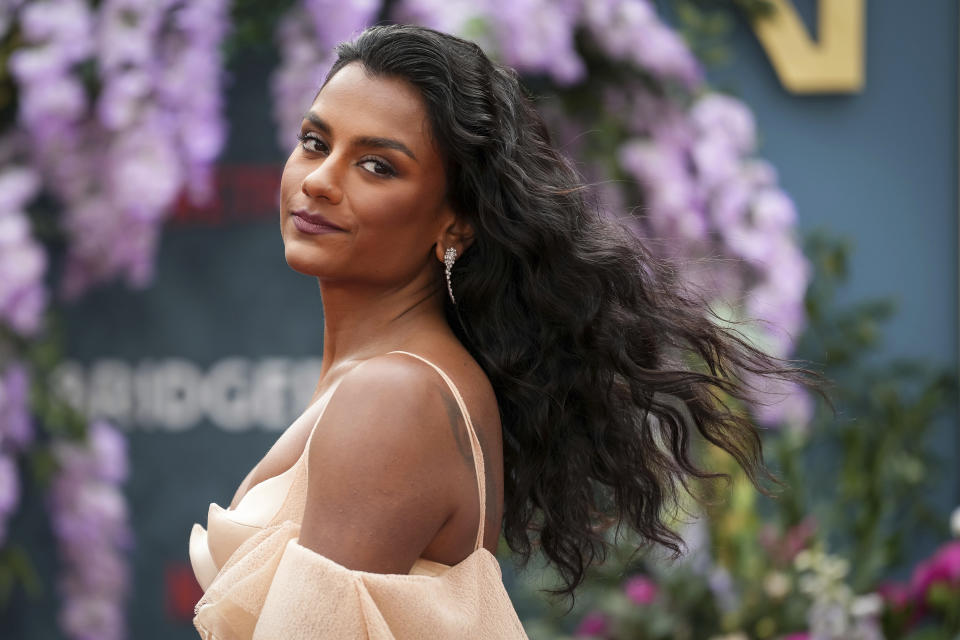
(457,17)
(23,261)
(9,492)
(191,59)
(57,36)
(306,37)
(724,589)
(672,205)
(16,424)
(85,616)
(536,36)
(90,520)
(778,402)
(125,35)
(116,160)
(297,79)
(631,31)
(144,168)
(119,164)
(336,20)
(121,99)
(532,36)
(706,196)
(16,433)
(716,114)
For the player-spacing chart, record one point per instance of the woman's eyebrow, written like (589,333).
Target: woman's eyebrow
(362,141)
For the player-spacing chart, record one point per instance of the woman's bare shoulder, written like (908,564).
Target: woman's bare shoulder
(402,376)
(379,468)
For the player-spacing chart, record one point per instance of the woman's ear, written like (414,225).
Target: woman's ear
(456,233)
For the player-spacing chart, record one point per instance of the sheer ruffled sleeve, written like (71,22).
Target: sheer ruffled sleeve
(312,596)
(273,587)
(231,605)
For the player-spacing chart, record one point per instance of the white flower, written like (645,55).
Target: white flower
(955,523)
(776,584)
(810,584)
(870,604)
(836,567)
(804,560)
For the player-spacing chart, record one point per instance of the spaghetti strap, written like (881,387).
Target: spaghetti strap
(474,444)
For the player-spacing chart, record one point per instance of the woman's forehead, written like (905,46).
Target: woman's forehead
(354,99)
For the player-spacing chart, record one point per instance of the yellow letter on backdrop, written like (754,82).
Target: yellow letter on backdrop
(834,64)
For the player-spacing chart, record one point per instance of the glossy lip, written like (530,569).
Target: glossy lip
(316,219)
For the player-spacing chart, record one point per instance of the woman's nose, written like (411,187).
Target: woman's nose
(323,182)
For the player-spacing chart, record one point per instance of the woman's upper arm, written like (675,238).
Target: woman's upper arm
(380,468)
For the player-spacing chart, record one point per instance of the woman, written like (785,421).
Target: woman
(497,355)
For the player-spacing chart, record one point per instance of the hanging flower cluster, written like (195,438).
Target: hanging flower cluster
(707,196)
(118,112)
(630,31)
(90,521)
(305,37)
(23,261)
(707,200)
(117,156)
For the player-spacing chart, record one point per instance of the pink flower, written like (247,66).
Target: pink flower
(641,590)
(593,624)
(800,635)
(783,548)
(943,566)
(895,594)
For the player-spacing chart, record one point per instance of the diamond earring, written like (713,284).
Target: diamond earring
(449,257)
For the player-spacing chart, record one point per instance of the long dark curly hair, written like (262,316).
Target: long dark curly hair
(586,337)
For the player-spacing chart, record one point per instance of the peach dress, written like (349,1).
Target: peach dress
(260,584)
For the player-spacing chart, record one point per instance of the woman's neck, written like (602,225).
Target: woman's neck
(361,323)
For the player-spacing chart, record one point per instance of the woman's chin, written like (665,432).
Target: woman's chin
(308,265)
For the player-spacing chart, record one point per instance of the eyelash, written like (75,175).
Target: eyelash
(390,171)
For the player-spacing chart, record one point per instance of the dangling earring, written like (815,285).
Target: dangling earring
(449,257)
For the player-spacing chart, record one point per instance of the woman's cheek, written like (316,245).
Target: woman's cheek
(287,180)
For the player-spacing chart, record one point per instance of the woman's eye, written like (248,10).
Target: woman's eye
(378,167)
(311,142)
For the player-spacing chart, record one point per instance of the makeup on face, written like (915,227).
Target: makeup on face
(365,167)
(308,223)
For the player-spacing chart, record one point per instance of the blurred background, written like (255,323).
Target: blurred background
(153,342)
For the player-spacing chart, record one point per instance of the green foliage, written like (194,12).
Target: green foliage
(253,25)
(54,420)
(16,568)
(871,466)
(707,25)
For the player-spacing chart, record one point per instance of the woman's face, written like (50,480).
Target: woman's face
(367,165)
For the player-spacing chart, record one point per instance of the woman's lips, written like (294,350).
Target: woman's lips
(309,226)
